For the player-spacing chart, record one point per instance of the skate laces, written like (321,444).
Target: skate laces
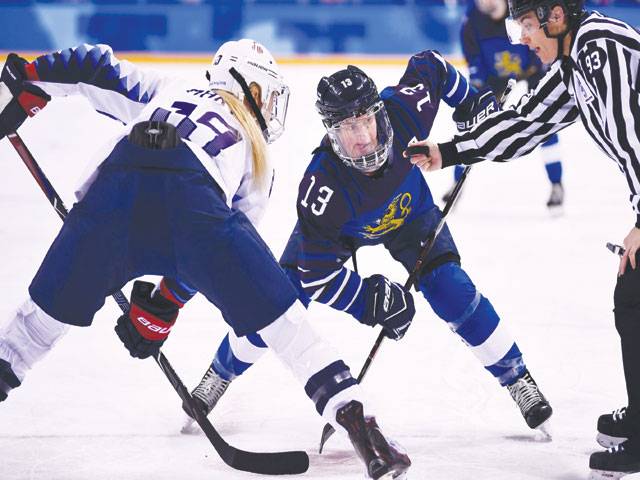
(211,388)
(619,414)
(525,393)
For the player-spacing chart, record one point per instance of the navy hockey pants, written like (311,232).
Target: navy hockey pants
(627,317)
(158,212)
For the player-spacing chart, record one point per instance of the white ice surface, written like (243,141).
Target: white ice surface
(89,411)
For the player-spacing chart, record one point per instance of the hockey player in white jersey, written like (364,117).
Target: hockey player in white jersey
(175,194)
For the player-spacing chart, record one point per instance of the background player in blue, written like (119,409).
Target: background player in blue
(492,61)
(360,190)
(163,203)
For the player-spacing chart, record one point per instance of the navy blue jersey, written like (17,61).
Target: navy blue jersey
(340,209)
(491,57)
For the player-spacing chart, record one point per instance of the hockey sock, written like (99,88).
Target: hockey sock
(454,298)
(325,377)
(551,154)
(236,354)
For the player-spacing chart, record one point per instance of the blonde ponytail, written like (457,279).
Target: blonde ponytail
(254,134)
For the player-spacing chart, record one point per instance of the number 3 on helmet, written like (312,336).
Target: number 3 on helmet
(244,66)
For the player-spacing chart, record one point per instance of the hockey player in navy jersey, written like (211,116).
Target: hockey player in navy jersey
(360,190)
(492,61)
(178,193)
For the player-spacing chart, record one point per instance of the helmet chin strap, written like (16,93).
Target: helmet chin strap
(561,36)
(252,102)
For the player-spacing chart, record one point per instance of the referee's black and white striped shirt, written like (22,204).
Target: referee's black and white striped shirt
(599,83)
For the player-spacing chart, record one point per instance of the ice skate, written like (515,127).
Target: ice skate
(614,428)
(556,199)
(616,462)
(532,404)
(8,379)
(206,395)
(383,458)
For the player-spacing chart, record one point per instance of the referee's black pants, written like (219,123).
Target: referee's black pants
(627,315)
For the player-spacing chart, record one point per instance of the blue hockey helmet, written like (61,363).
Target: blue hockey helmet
(355,118)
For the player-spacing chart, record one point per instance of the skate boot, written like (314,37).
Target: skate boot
(534,407)
(8,379)
(614,428)
(206,395)
(556,198)
(382,458)
(617,461)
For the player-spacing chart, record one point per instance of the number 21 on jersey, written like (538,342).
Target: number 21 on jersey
(319,205)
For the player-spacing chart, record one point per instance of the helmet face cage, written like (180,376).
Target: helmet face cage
(362,141)
(274,111)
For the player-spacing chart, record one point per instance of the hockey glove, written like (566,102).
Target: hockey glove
(475,109)
(18,98)
(147,325)
(388,304)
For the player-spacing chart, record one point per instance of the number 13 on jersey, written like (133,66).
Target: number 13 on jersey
(323,195)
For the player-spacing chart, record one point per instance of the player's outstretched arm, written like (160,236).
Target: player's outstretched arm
(114,87)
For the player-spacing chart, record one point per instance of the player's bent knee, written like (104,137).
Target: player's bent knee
(451,293)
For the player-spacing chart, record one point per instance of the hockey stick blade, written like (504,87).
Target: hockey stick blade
(265,463)
(276,463)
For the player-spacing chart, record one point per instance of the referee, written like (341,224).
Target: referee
(594,78)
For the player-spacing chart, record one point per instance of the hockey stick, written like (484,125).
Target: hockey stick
(274,463)
(328,430)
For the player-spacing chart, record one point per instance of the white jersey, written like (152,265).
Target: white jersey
(124,92)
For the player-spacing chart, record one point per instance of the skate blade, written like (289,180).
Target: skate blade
(543,432)
(190,427)
(607,441)
(607,475)
(393,476)
(556,211)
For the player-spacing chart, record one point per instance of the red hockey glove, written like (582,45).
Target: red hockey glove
(147,325)
(18,98)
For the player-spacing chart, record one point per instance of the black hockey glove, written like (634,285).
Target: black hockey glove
(147,325)
(388,304)
(18,98)
(475,109)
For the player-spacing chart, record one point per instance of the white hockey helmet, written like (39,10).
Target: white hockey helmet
(237,67)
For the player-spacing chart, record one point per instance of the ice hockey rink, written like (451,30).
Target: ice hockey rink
(89,411)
